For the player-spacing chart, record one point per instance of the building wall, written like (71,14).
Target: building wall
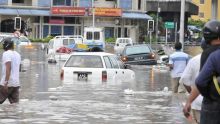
(103,3)
(3,2)
(219,10)
(203,8)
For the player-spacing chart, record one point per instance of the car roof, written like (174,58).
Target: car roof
(92,53)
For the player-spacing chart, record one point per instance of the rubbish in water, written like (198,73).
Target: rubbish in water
(26,62)
(165,89)
(52,89)
(128,92)
(53,97)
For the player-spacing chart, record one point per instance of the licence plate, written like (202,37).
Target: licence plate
(138,58)
(82,77)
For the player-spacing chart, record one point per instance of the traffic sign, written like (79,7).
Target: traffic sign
(169,25)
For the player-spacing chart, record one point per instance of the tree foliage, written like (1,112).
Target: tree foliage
(198,23)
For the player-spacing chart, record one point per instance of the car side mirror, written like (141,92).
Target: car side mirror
(127,66)
(117,44)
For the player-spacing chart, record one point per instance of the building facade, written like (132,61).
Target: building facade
(119,18)
(208,9)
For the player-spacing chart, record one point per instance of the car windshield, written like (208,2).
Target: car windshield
(137,50)
(84,61)
(22,39)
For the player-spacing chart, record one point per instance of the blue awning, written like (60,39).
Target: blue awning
(29,12)
(8,11)
(40,12)
(135,15)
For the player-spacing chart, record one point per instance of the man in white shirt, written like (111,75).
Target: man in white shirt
(9,85)
(188,79)
(177,63)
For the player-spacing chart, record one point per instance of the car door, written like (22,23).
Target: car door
(122,71)
(116,69)
(111,71)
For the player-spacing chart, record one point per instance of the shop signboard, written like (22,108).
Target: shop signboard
(111,12)
(68,11)
(56,21)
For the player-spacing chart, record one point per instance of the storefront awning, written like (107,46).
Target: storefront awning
(40,12)
(7,11)
(135,15)
(29,12)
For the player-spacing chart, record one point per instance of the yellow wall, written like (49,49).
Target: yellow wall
(206,9)
(219,10)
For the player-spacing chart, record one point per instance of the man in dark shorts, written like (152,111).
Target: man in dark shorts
(9,85)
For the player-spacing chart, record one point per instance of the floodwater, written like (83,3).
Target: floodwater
(44,99)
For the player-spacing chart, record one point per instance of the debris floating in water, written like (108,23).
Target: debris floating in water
(165,89)
(128,92)
(53,98)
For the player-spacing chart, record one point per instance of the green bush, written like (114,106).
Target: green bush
(110,40)
(44,40)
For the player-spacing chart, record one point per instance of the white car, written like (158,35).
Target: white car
(22,41)
(120,44)
(95,67)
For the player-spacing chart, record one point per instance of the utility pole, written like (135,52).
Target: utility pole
(182,21)
(93,19)
(157,23)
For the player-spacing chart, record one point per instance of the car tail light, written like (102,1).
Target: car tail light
(104,76)
(152,56)
(62,74)
(124,58)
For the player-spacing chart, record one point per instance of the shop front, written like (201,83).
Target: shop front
(73,20)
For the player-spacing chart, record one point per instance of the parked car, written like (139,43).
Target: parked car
(138,55)
(120,44)
(56,44)
(21,41)
(95,67)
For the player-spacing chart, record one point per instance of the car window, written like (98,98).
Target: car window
(22,39)
(114,62)
(84,61)
(15,40)
(137,50)
(120,63)
(51,44)
(89,35)
(65,42)
(96,35)
(107,62)
(71,41)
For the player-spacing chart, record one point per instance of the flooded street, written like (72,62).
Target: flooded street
(44,99)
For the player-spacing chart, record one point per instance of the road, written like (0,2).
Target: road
(44,99)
